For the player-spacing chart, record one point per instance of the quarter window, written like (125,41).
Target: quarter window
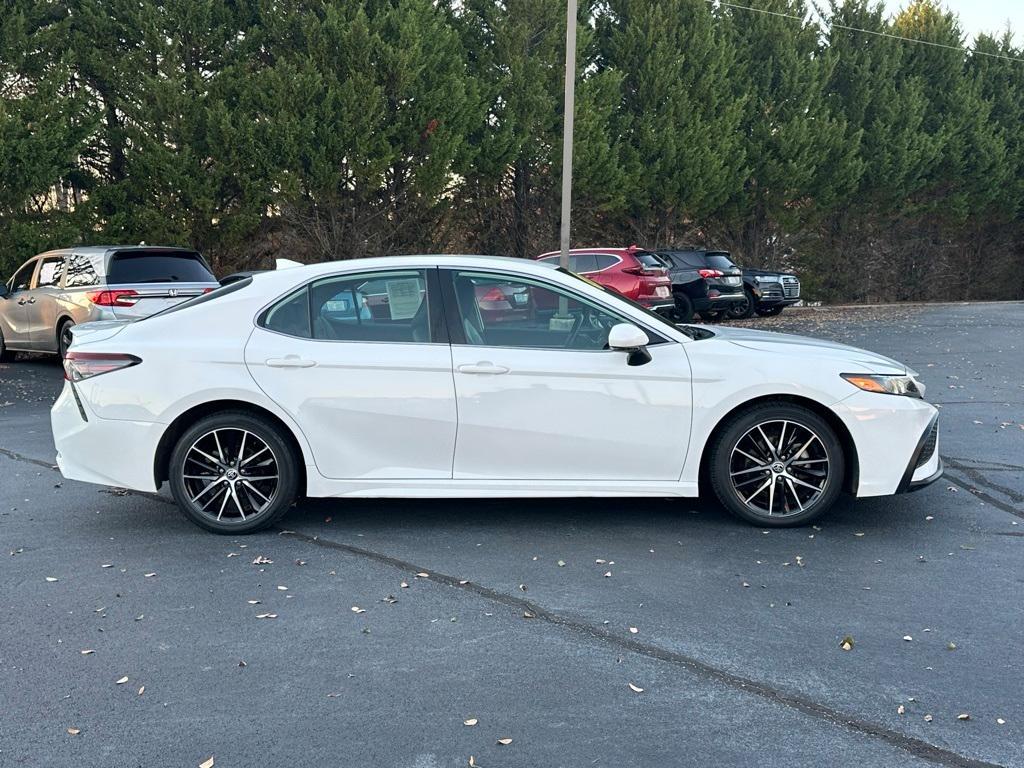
(504,311)
(80,272)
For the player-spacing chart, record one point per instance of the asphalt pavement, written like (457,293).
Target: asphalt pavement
(588,632)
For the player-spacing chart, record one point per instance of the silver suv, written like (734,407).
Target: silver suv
(56,290)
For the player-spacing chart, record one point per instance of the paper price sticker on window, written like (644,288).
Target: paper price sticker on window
(404,297)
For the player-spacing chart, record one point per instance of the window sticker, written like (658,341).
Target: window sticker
(404,297)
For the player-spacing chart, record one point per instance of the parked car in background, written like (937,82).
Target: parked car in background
(54,291)
(767,293)
(634,272)
(705,282)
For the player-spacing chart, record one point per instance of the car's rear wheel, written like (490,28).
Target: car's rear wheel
(741,310)
(64,338)
(777,465)
(770,311)
(6,355)
(684,309)
(233,473)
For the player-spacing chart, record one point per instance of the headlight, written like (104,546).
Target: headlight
(885,385)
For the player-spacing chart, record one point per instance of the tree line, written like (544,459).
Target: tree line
(322,129)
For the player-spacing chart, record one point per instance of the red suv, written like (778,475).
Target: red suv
(635,273)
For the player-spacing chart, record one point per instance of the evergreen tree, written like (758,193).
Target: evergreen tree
(679,118)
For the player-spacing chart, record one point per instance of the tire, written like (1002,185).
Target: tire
(741,311)
(796,495)
(770,311)
(64,338)
(219,453)
(684,309)
(6,355)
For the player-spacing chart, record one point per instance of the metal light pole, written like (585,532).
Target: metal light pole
(570,104)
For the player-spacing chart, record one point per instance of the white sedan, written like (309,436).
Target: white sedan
(469,376)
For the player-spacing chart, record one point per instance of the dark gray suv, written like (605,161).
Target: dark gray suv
(54,291)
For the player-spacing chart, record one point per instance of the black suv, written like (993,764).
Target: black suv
(767,293)
(706,282)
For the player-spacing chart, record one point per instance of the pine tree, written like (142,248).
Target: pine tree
(679,118)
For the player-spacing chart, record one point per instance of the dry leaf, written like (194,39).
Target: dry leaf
(88,651)
(561,563)
(927,718)
(963,716)
(599,561)
(847,643)
(423,575)
(471,721)
(635,688)
(528,615)
(266,615)
(253,602)
(74,731)
(633,630)
(122,681)
(206,763)
(282,589)
(149,575)
(473,763)
(404,585)
(261,560)
(107,565)
(908,638)
(1000,721)
(951,647)
(142,690)
(357,609)
(52,578)
(901,710)
(505,742)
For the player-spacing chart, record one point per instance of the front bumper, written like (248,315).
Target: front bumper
(890,435)
(103,451)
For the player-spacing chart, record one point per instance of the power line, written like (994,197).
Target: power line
(869,31)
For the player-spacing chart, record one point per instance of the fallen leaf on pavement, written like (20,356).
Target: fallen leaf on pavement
(900,710)
(88,651)
(52,578)
(357,609)
(633,630)
(261,560)
(471,721)
(142,690)
(266,615)
(505,742)
(963,716)
(206,763)
(121,681)
(74,731)
(927,718)
(847,643)
(635,688)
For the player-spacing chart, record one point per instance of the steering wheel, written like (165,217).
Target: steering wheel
(576,325)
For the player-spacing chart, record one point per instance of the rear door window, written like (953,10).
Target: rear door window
(128,267)
(604,260)
(390,306)
(50,272)
(581,263)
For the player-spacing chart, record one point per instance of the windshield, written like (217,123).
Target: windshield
(657,320)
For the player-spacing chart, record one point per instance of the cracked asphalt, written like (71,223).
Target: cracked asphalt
(394,622)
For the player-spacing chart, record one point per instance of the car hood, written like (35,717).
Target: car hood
(789,344)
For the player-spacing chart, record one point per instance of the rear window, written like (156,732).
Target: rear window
(158,267)
(649,260)
(720,261)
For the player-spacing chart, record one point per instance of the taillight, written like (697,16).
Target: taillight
(84,365)
(645,271)
(710,273)
(121,297)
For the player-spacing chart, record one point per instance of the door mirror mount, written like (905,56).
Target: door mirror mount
(628,338)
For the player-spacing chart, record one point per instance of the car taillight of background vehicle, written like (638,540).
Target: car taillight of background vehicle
(83,365)
(710,273)
(645,272)
(121,297)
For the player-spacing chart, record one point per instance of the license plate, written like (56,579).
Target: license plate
(731,281)
(661,292)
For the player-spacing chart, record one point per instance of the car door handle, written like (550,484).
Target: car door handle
(291,361)
(483,367)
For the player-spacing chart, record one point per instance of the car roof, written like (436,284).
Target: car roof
(98,250)
(374,263)
(617,250)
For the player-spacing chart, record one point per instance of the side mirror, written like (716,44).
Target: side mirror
(629,338)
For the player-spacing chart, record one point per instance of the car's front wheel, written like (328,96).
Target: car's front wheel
(776,465)
(741,310)
(233,473)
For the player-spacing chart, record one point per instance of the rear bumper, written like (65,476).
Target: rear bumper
(716,303)
(776,302)
(103,451)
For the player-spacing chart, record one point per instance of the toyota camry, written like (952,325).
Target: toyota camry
(392,377)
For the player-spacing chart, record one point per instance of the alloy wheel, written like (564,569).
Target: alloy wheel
(230,475)
(779,468)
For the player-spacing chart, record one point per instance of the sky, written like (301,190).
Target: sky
(982,15)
